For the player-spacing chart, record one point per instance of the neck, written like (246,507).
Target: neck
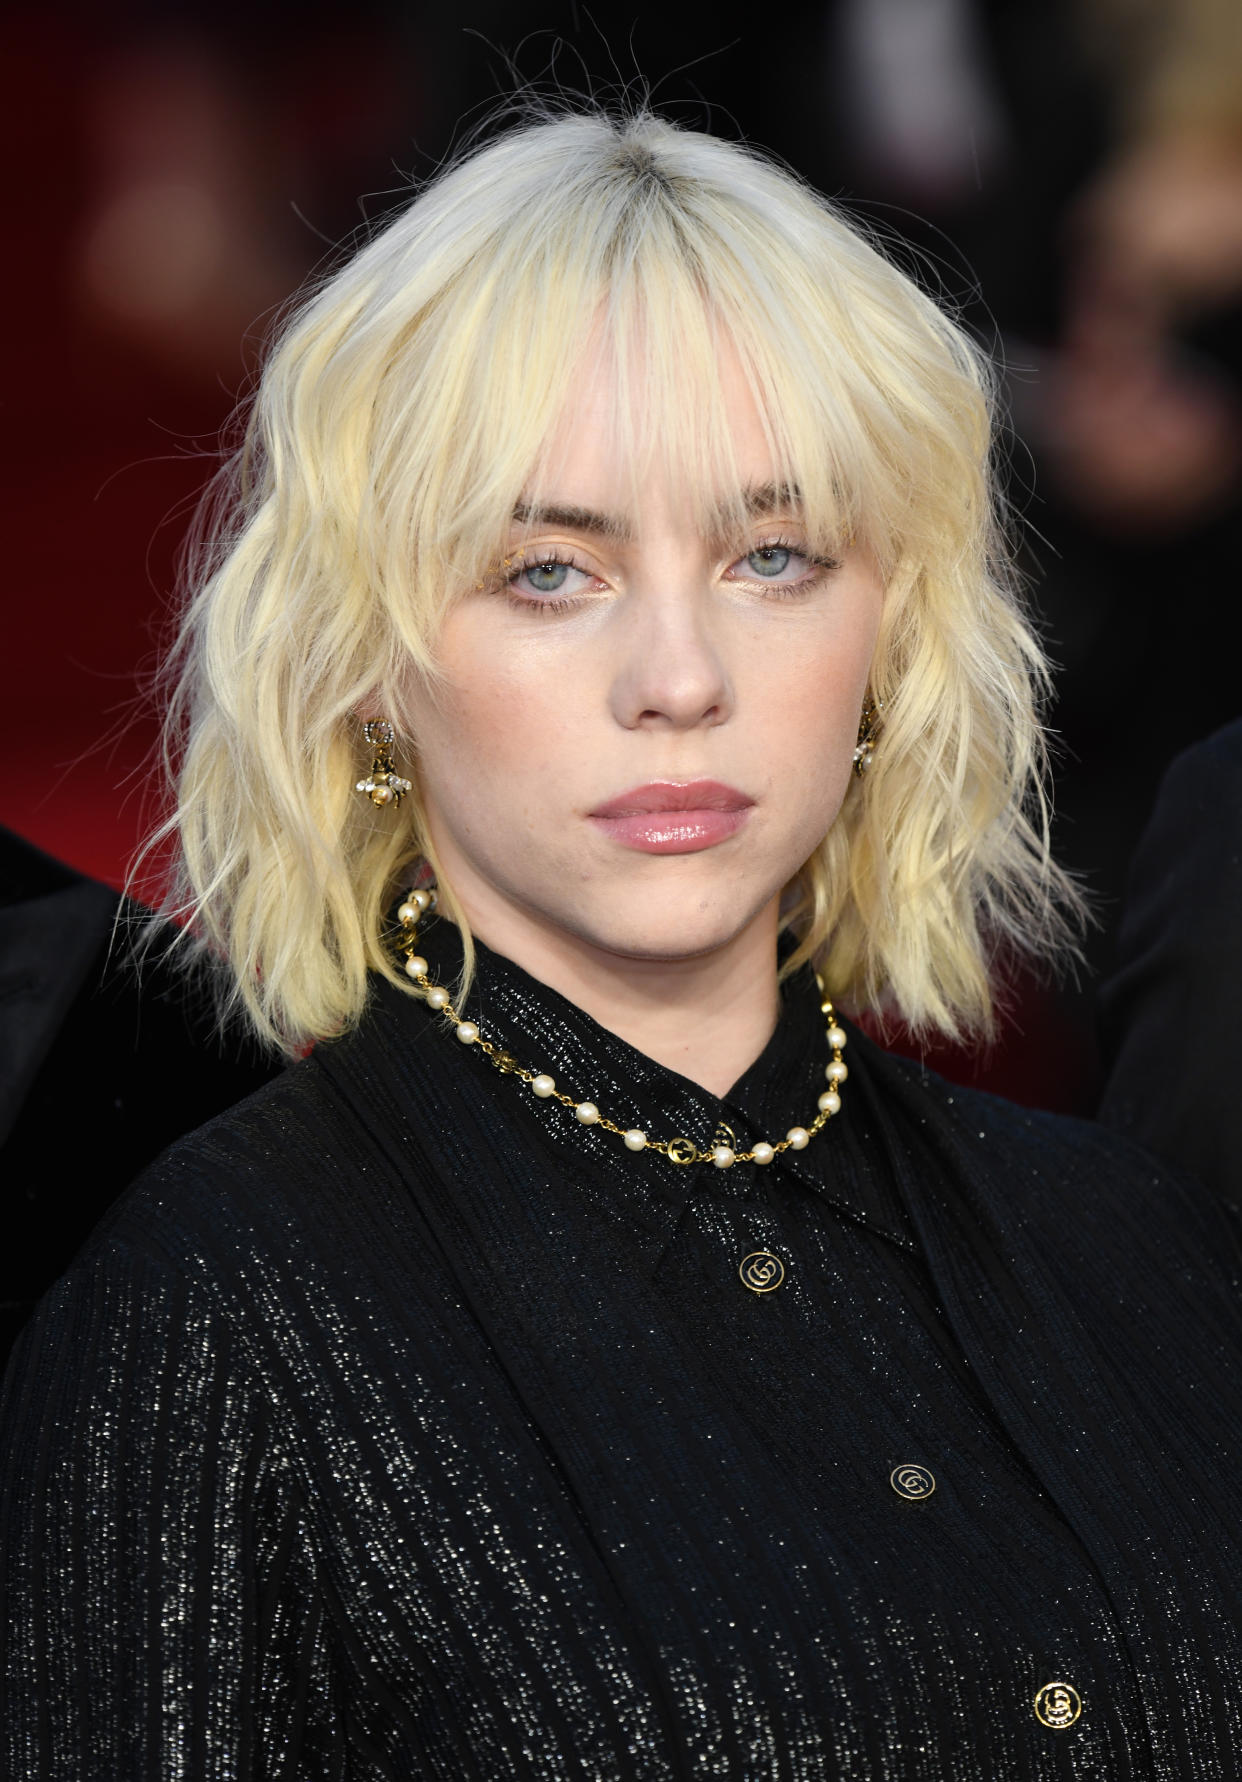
(707,1018)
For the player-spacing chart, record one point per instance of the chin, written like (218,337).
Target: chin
(685,929)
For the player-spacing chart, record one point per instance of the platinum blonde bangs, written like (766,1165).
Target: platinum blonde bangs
(408,406)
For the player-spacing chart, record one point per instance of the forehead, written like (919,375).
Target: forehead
(634,431)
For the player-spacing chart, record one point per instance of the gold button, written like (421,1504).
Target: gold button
(1058,1705)
(762,1272)
(912,1481)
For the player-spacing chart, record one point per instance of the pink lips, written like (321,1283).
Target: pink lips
(672,817)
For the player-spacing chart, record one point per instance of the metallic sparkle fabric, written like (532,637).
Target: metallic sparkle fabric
(397,1426)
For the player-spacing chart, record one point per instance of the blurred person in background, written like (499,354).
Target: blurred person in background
(606,658)
(1142,426)
(1146,429)
(101,1065)
(1170,1005)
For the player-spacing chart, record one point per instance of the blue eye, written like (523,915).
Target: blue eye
(788,568)
(547,582)
(769,560)
(547,578)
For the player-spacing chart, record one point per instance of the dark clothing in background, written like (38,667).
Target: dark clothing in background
(1171,1016)
(100,1068)
(396,1425)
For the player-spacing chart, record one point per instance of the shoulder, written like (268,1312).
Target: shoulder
(1050,1177)
(975,1116)
(1170,1000)
(1196,823)
(1220,753)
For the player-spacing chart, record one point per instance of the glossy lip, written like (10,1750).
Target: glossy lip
(674,817)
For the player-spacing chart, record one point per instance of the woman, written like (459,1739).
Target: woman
(594,1358)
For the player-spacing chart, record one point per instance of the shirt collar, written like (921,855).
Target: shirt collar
(545,1031)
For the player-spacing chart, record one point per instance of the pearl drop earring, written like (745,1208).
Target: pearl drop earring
(382,785)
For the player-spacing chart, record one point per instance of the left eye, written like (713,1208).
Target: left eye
(780,565)
(769,561)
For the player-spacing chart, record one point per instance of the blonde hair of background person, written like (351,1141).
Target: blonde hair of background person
(400,415)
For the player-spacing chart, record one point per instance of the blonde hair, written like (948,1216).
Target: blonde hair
(405,408)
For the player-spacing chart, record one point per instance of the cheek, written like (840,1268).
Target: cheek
(488,741)
(810,714)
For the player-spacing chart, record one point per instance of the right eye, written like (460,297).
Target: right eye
(547,581)
(551,577)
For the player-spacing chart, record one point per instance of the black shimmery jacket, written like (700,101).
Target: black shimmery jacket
(395,1425)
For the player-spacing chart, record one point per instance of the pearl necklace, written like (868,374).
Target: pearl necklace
(677,1150)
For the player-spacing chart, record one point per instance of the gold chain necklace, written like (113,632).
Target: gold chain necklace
(677,1150)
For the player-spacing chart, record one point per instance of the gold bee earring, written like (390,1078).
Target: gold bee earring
(868,731)
(383,785)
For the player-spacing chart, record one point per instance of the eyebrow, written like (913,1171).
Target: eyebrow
(573,519)
(758,499)
(766,498)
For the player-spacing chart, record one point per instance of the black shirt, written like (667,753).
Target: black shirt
(397,1425)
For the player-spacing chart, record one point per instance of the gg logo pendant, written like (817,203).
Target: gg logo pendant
(762,1272)
(1058,1705)
(913,1482)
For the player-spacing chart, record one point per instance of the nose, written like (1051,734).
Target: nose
(669,668)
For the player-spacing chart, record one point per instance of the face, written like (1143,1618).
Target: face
(641,733)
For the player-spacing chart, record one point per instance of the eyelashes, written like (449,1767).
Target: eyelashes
(785,548)
(553,593)
(551,587)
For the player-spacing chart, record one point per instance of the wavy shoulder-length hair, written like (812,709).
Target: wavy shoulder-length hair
(405,408)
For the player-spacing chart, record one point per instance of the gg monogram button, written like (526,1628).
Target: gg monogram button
(1057,1705)
(913,1482)
(762,1272)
